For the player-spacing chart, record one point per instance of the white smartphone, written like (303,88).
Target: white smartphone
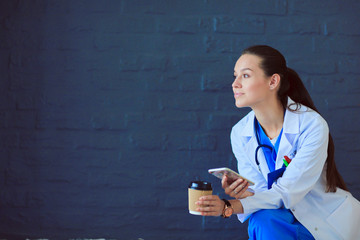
(232,175)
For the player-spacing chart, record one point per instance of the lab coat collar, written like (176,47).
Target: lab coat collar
(291,129)
(290,126)
(291,121)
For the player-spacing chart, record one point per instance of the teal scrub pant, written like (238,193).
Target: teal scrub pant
(269,224)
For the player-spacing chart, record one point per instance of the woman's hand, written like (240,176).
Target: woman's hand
(237,189)
(210,205)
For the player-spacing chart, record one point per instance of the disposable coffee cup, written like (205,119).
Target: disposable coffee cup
(196,190)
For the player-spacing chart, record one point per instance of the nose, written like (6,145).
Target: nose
(236,83)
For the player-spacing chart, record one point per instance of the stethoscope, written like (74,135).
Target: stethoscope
(259,144)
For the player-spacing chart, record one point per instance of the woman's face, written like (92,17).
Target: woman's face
(251,87)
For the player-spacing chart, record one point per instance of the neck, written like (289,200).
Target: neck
(271,117)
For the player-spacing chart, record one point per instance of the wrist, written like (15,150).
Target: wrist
(228,210)
(237,205)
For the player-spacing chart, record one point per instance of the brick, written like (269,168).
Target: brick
(176,200)
(332,103)
(17,177)
(239,25)
(319,84)
(255,7)
(343,26)
(348,45)
(67,139)
(187,102)
(289,45)
(341,123)
(349,64)
(186,64)
(340,84)
(204,142)
(166,180)
(219,44)
(218,121)
(26,102)
(292,25)
(99,120)
(317,65)
(192,222)
(171,159)
(148,141)
(143,63)
(217,82)
(143,7)
(125,23)
(153,44)
(10,139)
(178,121)
(321,45)
(226,102)
(7,101)
(108,121)
(195,65)
(348,143)
(20,120)
(313,7)
(178,25)
(133,119)
(178,141)
(275,7)
(189,83)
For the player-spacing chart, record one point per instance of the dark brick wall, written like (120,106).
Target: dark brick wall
(109,108)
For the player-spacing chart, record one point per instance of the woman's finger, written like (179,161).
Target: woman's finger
(237,183)
(204,203)
(210,205)
(241,188)
(224,182)
(231,190)
(240,191)
(244,195)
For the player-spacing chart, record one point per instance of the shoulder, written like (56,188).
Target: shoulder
(242,131)
(242,127)
(313,118)
(306,115)
(309,120)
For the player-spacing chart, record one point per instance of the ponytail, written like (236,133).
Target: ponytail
(295,89)
(292,86)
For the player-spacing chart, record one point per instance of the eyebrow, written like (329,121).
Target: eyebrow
(244,69)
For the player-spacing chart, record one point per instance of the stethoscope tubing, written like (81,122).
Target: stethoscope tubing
(259,146)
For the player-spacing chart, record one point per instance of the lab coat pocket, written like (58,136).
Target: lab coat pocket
(345,218)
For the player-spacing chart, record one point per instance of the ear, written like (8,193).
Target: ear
(274,81)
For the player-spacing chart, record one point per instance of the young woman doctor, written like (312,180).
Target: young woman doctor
(283,145)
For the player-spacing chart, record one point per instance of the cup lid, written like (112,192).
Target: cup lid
(201,185)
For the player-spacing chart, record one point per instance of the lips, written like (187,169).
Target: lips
(238,94)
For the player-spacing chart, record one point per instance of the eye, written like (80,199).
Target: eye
(246,75)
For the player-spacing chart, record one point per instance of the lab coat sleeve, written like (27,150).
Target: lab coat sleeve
(302,173)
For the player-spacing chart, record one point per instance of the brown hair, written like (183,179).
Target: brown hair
(292,86)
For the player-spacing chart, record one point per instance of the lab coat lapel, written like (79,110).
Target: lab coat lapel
(291,130)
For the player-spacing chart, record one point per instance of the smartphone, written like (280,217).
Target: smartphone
(232,175)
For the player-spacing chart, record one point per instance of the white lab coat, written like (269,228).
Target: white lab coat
(302,187)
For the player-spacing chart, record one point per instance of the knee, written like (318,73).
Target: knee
(261,218)
(271,218)
(260,224)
